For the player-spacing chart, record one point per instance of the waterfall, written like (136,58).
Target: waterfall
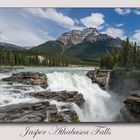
(99,106)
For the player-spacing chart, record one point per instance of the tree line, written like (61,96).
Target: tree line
(127,56)
(32,58)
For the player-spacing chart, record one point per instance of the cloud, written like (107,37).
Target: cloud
(95,20)
(53,15)
(123,11)
(119,25)
(18,34)
(115,32)
(137,12)
(136,37)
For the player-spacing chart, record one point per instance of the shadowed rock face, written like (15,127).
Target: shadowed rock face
(124,83)
(132,103)
(29,78)
(100,77)
(131,110)
(61,96)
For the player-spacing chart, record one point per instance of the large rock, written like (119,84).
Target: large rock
(61,96)
(24,112)
(63,116)
(29,78)
(36,112)
(100,77)
(131,110)
(132,103)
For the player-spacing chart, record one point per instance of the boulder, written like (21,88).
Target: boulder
(100,77)
(60,96)
(53,114)
(63,116)
(132,103)
(131,109)
(29,78)
(24,112)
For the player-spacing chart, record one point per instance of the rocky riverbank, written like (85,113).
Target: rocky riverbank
(42,110)
(61,106)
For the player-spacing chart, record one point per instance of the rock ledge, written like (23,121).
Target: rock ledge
(29,78)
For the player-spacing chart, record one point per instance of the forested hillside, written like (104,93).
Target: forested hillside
(31,58)
(128,56)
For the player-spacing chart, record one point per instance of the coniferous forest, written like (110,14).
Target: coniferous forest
(127,56)
(32,58)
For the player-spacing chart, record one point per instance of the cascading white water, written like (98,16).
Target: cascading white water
(98,105)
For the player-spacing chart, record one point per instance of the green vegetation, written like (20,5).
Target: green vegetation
(34,58)
(54,53)
(49,47)
(127,57)
(89,50)
(76,119)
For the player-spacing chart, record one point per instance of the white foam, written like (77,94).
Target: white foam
(99,106)
(97,100)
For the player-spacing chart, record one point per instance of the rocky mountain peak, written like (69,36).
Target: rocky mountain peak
(90,30)
(76,36)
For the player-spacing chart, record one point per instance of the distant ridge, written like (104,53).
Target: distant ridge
(85,44)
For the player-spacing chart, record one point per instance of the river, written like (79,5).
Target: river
(100,105)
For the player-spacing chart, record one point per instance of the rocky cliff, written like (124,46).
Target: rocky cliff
(127,85)
(124,82)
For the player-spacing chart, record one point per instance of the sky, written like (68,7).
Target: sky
(33,26)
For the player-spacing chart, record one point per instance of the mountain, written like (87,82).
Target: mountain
(10,46)
(85,44)
(75,37)
(50,47)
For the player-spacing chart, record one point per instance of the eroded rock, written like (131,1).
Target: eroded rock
(131,110)
(41,111)
(100,77)
(29,78)
(61,96)
(24,112)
